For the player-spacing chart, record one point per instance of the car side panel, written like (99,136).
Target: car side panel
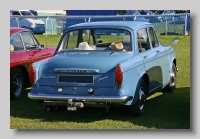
(20,58)
(152,68)
(164,63)
(165,55)
(38,54)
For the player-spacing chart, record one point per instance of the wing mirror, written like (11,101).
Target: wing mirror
(41,46)
(173,42)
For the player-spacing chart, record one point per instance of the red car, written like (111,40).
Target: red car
(24,50)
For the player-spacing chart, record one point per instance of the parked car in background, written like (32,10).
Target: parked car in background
(21,12)
(92,13)
(162,15)
(181,11)
(24,50)
(138,16)
(122,67)
(35,25)
(145,12)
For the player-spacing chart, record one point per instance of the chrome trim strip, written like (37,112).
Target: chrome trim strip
(76,70)
(59,97)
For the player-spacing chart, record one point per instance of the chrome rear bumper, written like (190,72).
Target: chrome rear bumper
(58,97)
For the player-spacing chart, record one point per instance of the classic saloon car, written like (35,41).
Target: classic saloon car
(24,50)
(124,66)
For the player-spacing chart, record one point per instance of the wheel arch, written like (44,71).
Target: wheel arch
(174,61)
(24,71)
(145,78)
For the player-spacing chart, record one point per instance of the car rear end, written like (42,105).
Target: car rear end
(85,74)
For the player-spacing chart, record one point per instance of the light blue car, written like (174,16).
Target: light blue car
(121,67)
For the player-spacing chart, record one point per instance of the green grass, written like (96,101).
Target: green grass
(164,110)
(48,40)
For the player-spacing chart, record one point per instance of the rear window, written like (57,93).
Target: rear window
(97,39)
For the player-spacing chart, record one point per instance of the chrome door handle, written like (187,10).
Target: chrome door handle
(158,51)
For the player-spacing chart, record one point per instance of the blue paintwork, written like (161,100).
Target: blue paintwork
(102,65)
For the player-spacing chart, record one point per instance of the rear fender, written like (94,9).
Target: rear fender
(143,76)
(37,66)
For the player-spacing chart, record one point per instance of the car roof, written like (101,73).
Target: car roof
(16,29)
(129,24)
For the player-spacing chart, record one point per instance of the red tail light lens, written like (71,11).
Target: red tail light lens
(32,73)
(119,75)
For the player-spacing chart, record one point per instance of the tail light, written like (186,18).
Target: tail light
(32,73)
(119,75)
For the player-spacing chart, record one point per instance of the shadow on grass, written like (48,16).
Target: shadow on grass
(165,111)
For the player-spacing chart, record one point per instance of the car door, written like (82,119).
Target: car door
(18,54)
(150,59)
(162,55)
(32,47)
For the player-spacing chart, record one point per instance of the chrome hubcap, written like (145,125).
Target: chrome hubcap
(172,78)
(141,99)
(17,84)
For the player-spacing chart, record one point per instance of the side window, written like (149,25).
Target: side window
(72,38)
(154,40)
(143,40)
(16,43)
(29,41)
(87,37)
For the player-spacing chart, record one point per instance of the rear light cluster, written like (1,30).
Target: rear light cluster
(119,75)
(32,73)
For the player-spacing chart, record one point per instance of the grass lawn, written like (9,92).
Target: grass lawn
(164,110)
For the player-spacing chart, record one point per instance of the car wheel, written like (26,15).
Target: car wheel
(16,84)
(138,108)
(172,83)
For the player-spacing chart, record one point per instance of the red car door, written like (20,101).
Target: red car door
(32,47)
(18,55)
